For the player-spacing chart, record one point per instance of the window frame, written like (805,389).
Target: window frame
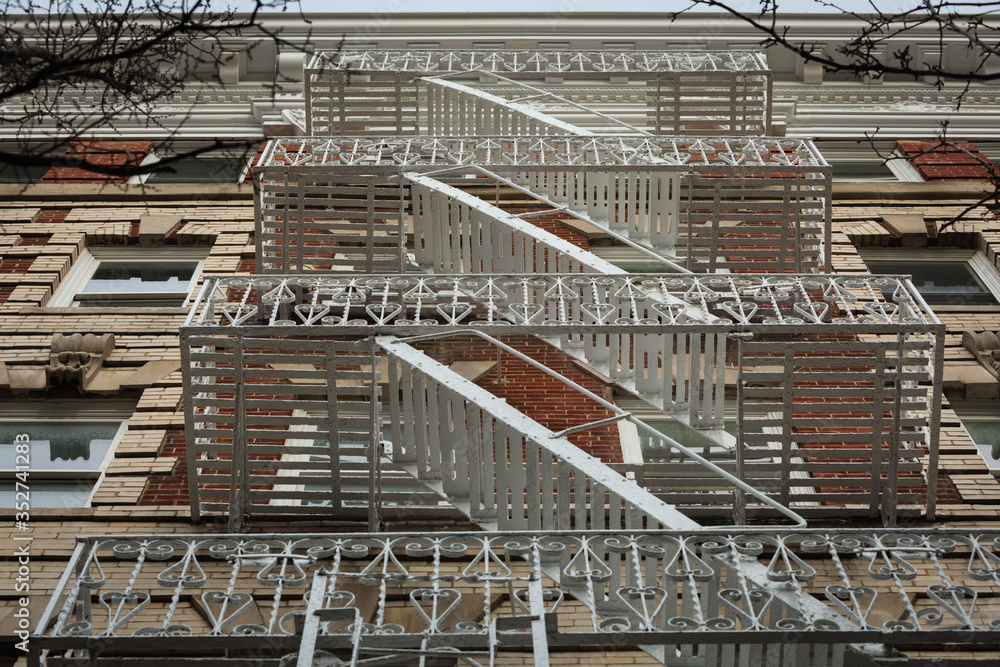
(68,412)
(90,259)
(153,158)
(979,411)
(839,152)
(977,263)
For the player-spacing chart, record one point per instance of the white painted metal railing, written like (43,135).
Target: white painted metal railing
(765,303)
(503,469)
(455,232)
(337,222)
(455,109)
(702,596)
(385,154)
(535,62)
(286,426)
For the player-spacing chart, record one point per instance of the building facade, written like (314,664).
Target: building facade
(518,343)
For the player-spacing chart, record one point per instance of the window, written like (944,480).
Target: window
(863,161)
(861,170)
(69,446)
(27,174)
(942,276)
(10,173)
(127,277)
(982,421)
(215,166)
(201,170)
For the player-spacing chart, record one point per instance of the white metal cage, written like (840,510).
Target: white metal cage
(353,92)
(711,204)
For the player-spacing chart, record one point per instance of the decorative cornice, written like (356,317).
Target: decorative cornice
(985,346)
(76,359)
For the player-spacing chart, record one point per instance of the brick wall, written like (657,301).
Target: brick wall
(540,396)
(107,153)
(946,163)
(552,223)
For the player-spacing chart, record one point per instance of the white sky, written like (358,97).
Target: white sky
(571,6)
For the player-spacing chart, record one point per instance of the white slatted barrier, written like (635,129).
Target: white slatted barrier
(852,414)
(455,109)
(347,102)
(503,469)
(334,222)
(285,426)
(642,206)
(454,232)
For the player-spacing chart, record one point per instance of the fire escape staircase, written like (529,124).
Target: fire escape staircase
(345,206)
(290,372)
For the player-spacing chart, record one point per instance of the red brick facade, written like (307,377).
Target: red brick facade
(935,162)
(105,153)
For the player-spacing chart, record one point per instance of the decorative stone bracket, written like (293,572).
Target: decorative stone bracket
(985,346)
(76,359)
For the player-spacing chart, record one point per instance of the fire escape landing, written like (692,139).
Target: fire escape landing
(308,393)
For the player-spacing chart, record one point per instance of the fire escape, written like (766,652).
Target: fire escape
(312,390)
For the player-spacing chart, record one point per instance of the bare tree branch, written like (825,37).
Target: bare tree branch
(82,72)
(990,173)
(870,53)
(966,36)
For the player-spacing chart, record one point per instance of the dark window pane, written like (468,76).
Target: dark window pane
(862,171)
(106,301)
(18,174)
(136,278)
(200,170)
(939,282)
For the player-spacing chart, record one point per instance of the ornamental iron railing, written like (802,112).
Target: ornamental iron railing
(386,153)
(764,303)
(701,596)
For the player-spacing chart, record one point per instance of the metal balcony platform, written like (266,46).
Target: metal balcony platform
(414,91)
(706,597)
(387,153)
(705,204)
(830,368)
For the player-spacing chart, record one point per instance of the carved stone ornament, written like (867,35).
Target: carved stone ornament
(75,359)
(985,345)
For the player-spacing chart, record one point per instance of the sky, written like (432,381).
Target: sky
(563,6)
